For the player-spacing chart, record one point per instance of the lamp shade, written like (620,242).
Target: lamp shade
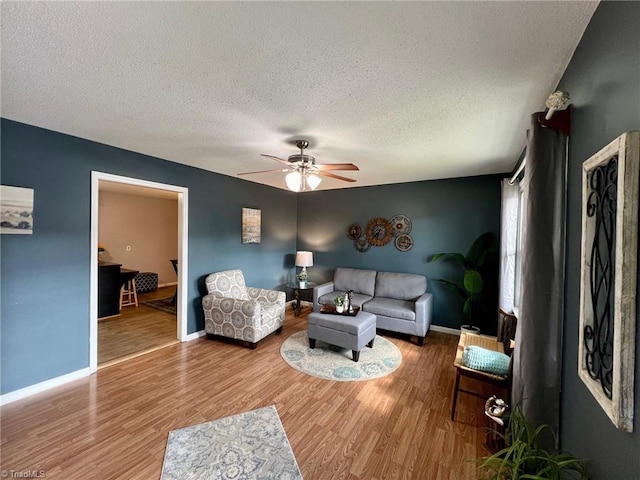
(304,259)
(313,181)
(294,181)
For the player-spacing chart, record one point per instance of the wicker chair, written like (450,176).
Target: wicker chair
(503,343)
(233,310)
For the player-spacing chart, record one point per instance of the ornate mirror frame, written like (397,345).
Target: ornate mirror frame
(606,353)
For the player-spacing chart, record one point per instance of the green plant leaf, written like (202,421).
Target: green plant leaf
(457,257)
(466,308)
(473,282)
(484,244)
(454,287)
(522,458)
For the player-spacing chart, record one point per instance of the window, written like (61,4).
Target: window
(511,230)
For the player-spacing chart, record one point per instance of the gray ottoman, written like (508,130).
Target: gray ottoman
(342,330)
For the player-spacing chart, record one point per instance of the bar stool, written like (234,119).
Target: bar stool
(128,294)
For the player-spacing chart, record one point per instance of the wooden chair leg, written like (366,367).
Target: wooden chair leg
(455,396)
(135,292)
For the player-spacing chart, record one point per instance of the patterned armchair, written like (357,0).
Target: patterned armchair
(233,310)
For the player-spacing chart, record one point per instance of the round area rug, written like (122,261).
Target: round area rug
(335,363)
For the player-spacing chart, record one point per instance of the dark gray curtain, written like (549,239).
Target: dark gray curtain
(537,362)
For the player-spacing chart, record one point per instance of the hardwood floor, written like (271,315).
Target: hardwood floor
(114,424)
(136,330)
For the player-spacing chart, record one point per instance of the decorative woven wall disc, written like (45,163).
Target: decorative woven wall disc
(404,242)
(361,245)
(401,224)
(354,231)
(379,231)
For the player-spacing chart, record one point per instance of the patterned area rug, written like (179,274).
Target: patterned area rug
(250,445)
(164,304)
(335,363)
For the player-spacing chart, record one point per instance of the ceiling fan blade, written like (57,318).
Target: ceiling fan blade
(337,166)
(288,164)
(332,175)
(264,171)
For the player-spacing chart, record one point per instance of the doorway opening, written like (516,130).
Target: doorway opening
(141,327)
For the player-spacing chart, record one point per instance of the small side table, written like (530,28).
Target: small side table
(299,294)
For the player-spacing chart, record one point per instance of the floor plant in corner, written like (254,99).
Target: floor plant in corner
(472,285)
(524,458)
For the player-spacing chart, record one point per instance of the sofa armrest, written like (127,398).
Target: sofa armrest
(249,309)
(424,308)
(320,290)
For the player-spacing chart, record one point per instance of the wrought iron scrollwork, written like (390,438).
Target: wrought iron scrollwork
(598,337)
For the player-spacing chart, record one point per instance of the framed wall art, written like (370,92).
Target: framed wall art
(251,223)
(16,210)
(606,358)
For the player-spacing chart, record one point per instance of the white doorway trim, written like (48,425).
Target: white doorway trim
(183,251)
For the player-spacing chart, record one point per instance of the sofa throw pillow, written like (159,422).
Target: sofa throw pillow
(485,360)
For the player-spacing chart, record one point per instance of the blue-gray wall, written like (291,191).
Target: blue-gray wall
(603,79)
(446,216)
(45,276)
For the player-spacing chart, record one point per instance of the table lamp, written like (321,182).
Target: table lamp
(304,260)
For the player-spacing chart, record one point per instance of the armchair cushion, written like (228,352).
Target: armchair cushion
(229,283)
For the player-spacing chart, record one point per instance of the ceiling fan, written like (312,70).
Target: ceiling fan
(303,171)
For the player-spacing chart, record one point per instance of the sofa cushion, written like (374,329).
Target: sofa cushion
(360,281)
(390,307)
(358,299)
(401,286)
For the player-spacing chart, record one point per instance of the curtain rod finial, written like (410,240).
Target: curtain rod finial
(556,100)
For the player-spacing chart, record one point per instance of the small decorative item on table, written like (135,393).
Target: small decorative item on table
(350,301)
(339,303)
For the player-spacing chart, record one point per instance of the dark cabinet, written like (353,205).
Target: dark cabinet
(109,284)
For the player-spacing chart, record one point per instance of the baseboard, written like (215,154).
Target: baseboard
(450,331)
(195,335)
(42,386)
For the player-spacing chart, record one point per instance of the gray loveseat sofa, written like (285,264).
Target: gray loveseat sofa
(399,301)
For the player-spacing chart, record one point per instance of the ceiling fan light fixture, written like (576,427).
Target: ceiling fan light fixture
(304,174)
(294,181)
(313,181)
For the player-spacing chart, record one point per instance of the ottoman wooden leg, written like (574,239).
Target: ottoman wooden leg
(356,355)
(312,343)
(370,344)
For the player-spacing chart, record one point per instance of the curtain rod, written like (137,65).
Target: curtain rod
(556,101)
(518,171)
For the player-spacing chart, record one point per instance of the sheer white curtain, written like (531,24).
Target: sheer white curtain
(508,243)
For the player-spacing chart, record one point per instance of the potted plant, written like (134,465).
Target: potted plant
(472,282)
(339,303)
(524,458)
(302,279)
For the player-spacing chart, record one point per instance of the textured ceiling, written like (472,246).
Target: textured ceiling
(407,91)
